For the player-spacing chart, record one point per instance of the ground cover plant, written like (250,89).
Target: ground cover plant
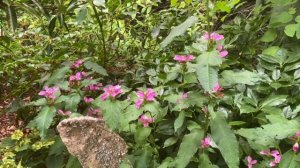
(185,83)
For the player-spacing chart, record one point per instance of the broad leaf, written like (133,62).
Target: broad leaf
(179,121)
(44,119)
(225,140)
(208,76)
(240,77)
(72,102)
(111,112)
(274,100)
(58,75)
(96,68)
(188,147)
(178,30)
(267,135)
(290,160)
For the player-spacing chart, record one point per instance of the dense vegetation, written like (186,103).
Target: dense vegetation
(186,83)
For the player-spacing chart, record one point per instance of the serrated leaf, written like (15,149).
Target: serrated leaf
(297,74)
(111,112)
(95,68)
(44,119)
(39,102)
(225,139)
(274,100)
(179,30)
(188,147)
(209,58)
(57,75)
(267,135)
(241,77)
(208,76)
(247,109)
(72,102)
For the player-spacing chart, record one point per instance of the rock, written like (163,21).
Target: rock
(92,142)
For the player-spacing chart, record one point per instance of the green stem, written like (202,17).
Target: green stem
(102,33)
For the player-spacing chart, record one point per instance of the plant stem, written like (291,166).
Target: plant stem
(208,17)
(102,33)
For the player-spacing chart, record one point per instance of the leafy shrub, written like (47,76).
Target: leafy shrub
(196,99)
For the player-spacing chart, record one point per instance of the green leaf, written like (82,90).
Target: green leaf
(170,141)
(290,160)
(111,112)
(269,36)
(241,77)
(208,76)
(51,26)
(53,161)
(58,75)
(188,147)
(267,135)
(204,162)
(282,18)
(72,102)
(274,100)
(95,68)
(142,134)
(290,30)
(225,140)
(209,58)
(247,109)
(179,121)
(82,13)
(179,30)
(44,119)
(73,162)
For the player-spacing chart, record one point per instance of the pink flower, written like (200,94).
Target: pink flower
(111,91)
(296,147)
(146,120)
(93,87)
(183,58)
(49,92)
(184,96)
(88,100)
(206,142)
(149,96)
(298,134)
(64,113)
(217,88)
(78,76)
(251,162)
(273,153)
(213,36)
(77,63)
(223,53)
(265,152)
(93,112)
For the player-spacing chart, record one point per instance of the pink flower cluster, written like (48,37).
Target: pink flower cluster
(183,58)
(88,99)
(216,37)
(77,77)
(77,64)
(206,142)
(64,113)
(94,112)
(251,161)
(273,153)
(49,92)
(182,97)
(223,53)
(213,36)
(93,87)
(217,88)
(149,96)
(145,120)
(111,91)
